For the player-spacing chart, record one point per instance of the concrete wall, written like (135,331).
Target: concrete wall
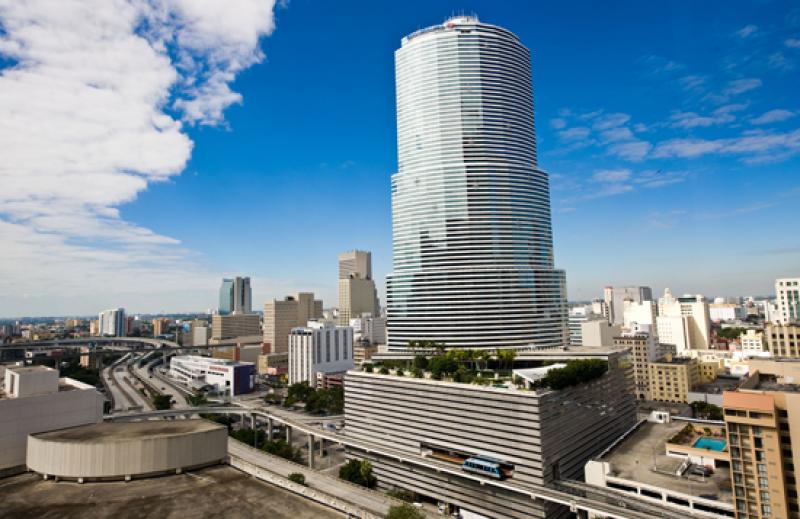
(103,459)
(20,417)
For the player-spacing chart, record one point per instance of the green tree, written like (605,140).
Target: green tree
(298,478)
(358,472)
(197,400)
(405,511)
(299,391)
(421,362)
(384,370)
(506,358)
(368,368)
(162,402)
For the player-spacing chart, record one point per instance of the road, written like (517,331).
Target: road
(150,376)
(125,395)
(369,500)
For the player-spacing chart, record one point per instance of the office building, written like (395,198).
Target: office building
(371,330)
(281,315)
(783,340)
(112,323)
(644,349)
(320,347)
(472,238)
(638,313)
(355,264)
(34,399)
(357,292)
(764,445)
(363,351)
(787,300)
(615,299)
(273,364)
(235,296)
(673,331)
(696,309)
(576,317)
(243,349)
(225,377)
(542,434)
(235,325)
(599,332)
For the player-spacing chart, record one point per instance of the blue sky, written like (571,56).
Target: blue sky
(670,130)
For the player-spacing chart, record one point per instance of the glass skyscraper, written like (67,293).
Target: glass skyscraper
(472,239)
(235,296)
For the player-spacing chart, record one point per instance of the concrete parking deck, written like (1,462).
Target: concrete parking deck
(213,492)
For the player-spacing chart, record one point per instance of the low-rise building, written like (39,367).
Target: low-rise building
(273,364)
(363,351)
(226,377)
(320,347)
(751,342)
(672,378)
(34,399)
(651,462)
(245,349)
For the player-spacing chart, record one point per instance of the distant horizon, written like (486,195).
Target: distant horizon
(203,153)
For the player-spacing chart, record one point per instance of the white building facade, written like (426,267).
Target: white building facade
(471,224)
(226,377)
(320,347)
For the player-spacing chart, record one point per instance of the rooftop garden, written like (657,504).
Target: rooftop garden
(485,368)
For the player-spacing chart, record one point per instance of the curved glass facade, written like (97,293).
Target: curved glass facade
(473,251)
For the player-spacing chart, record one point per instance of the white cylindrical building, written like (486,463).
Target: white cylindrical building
(472,239)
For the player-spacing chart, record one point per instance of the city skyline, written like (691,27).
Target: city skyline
(693,192)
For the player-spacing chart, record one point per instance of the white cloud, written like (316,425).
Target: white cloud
(747,31)
(633,150)
(86,125)
(740,86)
(575,133)
(792,43)
(779,61)
(721,115)
(608,121)
(692,82)
(757,146)
(612,175)
(558,123)
(773,116)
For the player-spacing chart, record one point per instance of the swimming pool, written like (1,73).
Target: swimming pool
(710,443)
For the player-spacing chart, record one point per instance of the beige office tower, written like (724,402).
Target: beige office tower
(280,316)
(763,438)
(357,293)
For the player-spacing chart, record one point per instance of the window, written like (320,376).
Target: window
(763,482)
(764,497)
(762,469)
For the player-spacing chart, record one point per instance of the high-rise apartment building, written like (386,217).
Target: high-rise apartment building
(472,239)
(357,293)
(644,350)
(280,316)
(616,298)
(112,323)
(762,419)
(787,299)
(235,296)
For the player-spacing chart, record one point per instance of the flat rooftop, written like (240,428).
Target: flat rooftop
(718,385)
(634,457)
(29,369)
(106,432)
(219,491)
(770,383)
